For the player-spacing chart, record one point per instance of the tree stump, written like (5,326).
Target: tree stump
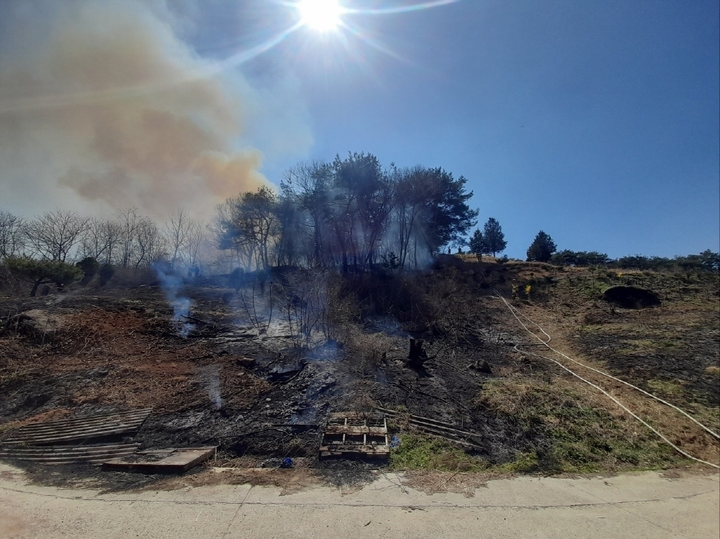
(417,355)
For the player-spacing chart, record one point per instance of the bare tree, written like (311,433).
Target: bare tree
(413,189)
(150,244)
(128,220)
(194,241)
(54,234)
(176,232)
(307,187)
(249,223)
(12,235)
(101,240)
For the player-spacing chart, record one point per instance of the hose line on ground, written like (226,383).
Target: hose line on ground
(621,405)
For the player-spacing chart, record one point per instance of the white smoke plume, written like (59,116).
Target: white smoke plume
(103,106)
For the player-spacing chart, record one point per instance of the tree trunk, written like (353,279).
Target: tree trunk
(417,355)
(35,288)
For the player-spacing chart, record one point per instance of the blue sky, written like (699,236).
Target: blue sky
(595,121)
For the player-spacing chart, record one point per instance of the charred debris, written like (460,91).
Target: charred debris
(273,366)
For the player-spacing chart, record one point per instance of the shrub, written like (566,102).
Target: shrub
(106,272)
(89,266)
(40,272)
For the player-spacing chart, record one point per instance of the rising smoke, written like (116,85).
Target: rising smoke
(103,102)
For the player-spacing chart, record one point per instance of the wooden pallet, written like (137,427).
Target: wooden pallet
(355,435)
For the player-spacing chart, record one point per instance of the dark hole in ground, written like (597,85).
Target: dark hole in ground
(631,297)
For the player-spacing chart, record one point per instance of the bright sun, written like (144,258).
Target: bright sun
(320,15)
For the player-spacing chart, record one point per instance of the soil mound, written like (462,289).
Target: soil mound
(631,297)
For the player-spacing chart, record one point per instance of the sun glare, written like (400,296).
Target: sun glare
(320,15)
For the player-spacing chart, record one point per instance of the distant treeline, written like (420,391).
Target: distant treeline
(705,261)
(351,214)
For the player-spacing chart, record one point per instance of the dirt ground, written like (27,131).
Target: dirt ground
(238,376)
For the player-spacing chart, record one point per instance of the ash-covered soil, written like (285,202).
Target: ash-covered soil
(221,377)
(237,371)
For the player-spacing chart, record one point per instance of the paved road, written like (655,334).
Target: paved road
(634,505)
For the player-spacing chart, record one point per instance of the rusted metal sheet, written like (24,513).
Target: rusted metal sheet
(84,454)
(170,460)
(352,434)
(78,430)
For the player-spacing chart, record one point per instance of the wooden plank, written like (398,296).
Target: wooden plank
(162,461)
(362,449)
(74,437)
(50,450)
(36,433)
(356,431)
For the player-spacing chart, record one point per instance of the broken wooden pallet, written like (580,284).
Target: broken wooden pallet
(90,439)
(433,427)
(355,435)
(79,429)
(60,455)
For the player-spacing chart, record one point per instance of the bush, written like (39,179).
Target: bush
(40,272)
(89,266)
(106,272)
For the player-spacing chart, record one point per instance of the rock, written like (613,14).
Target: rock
(36,323)
(483,367)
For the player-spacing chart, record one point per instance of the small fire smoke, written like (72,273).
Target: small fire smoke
(172,285)
(210,377)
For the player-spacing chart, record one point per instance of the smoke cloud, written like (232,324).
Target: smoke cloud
(103,106)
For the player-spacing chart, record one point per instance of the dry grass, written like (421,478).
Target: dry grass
(432,482)
(664,350)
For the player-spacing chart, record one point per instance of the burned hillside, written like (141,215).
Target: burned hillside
(256,367)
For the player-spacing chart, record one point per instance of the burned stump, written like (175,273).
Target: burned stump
(417,355)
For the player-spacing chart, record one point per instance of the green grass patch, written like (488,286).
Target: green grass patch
(429,453)
(523,463)
(575,431)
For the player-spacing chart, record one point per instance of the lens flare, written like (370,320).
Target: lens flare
(320,15)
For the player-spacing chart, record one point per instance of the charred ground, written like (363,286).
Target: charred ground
(256,371)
